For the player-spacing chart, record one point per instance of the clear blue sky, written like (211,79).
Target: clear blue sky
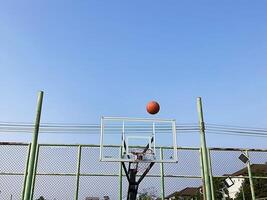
(95,58)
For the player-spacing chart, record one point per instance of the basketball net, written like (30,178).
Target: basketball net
(138,156)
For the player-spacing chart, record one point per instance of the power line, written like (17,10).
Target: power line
(236,134)
(236,127)
(75,128)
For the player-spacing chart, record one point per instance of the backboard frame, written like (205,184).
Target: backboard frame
(120,158)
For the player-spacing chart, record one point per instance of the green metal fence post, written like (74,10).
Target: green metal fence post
(35,171)
(78,173)
(26,169)
(243,194)
(204,150)
(250,177)
(120,178)
(202,173)
(30,170)
(162,175)
(211,176)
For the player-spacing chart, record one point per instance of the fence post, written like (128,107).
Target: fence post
(35,171)
(120,177)
(78,172)
(120,181)
(202,174)
(204,150)
(26,169)
(30,170)
(250,177)
(211,176)
(243,194)
(162,175)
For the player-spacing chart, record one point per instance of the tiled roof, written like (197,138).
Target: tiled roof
(259,168)
(188,191)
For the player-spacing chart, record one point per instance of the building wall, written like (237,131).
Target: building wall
(234,189)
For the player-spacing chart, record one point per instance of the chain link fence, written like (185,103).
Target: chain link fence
(71,172)
(226,165)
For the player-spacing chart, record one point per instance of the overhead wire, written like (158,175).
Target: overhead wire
(235,134)
(78,128)
(67,128)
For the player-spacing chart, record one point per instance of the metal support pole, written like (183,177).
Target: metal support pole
(78,172)
(202,174)
(33,148)
(26,169)
(120,174)
(133,185)
(204,150)
(211,177)
(162,175)
(250,178)
(35,171)
(243,194)
(120,182)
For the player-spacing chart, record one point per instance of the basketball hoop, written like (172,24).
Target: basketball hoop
(140,154)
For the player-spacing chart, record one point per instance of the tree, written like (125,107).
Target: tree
(144,196)
(218,186)
(176,196)
(147,194)
(199,195)
(260,187)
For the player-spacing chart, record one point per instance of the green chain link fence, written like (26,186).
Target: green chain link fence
(70,172)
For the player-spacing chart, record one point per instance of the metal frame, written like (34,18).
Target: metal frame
(148,138)
(127,119)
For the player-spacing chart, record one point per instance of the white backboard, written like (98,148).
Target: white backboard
(121,138)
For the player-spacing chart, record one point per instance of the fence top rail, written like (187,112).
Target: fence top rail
(240,177)
(163,147)
(112,146)
(115,146)
(236,149)
(14,144)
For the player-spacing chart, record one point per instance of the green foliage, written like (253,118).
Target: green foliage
(176,196)
(218,185)
(244,190)
(198,196)
(144,196)
(147,194)
(260,187)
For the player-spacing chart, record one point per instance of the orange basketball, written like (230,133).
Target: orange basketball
(152,107)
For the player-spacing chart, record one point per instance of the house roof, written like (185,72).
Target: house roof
(259,168)
(171,195)
(188,191)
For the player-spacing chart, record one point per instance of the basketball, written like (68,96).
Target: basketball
(152,107)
